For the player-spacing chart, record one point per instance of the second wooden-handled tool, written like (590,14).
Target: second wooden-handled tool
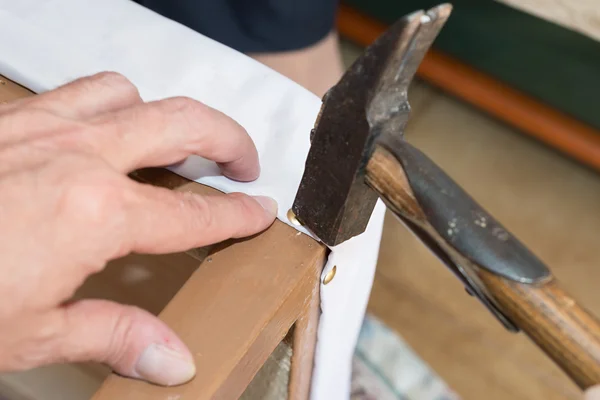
(358,155)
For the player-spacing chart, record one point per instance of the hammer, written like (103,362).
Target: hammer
(358,155)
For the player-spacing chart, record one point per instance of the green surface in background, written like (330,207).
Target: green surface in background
(553,64)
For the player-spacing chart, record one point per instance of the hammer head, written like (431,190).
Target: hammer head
(370,101)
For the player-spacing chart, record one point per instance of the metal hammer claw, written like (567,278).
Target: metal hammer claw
(358,154)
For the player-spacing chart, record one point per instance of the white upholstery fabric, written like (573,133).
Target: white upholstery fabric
(45,43)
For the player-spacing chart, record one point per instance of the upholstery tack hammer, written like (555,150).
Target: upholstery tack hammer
(358,155)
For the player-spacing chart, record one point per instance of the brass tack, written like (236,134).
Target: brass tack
(292,218)
(330,275)
(2,82)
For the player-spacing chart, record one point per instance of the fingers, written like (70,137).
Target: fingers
(165,132)
(131,341)
(89,97)
(163,221)
(131,134)
(59,110)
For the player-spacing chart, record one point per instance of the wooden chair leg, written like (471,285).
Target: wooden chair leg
(305,341)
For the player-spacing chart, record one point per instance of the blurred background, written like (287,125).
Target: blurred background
(507,104)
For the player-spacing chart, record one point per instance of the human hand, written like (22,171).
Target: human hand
(67,207)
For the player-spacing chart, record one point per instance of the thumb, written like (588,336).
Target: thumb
(131,341)
(593,393)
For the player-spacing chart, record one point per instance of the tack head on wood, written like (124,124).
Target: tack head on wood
(330,275)
(291,216)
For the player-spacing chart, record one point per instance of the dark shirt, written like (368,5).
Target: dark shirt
(253,25)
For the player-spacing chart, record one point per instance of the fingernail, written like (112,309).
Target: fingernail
(163,366)
(268,204)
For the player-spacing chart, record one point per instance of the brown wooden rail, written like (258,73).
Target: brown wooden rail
(536,119)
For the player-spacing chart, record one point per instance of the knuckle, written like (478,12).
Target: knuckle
(199,207)
(122,335)
(181,112)
(189,111)
(183,104)
(42,344)
(115,80)
(95,204)
(246,203)
(111,78)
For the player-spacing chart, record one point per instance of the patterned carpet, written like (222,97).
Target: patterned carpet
(385,368)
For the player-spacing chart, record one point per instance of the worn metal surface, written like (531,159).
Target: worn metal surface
(462,223)
(369,106)
(459,231)
(333,200)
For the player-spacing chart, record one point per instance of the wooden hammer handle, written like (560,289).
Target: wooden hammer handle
(546,313)
(566,332)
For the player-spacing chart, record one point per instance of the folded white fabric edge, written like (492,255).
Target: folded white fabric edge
(46,43)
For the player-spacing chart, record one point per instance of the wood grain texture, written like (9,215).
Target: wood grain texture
(534,118)
(249,294)
(554,320)
(568,333)
(304,345)
(232,313)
